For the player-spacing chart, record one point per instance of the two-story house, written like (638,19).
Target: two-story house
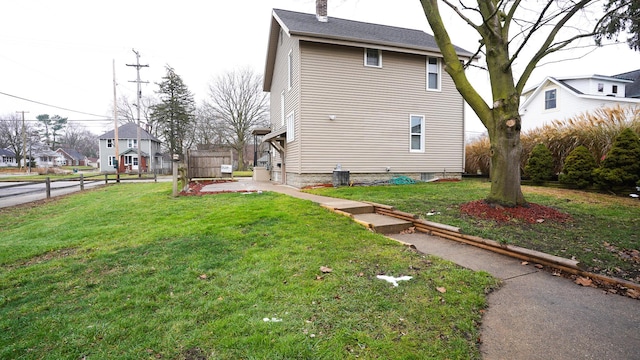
(150,152)
(370,99)
(559,98)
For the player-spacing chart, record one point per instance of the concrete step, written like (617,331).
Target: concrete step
(349,206)
(383,224)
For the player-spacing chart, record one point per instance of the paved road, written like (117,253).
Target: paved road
(25,192)
(31,191)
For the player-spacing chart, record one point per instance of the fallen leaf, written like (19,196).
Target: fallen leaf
(203,277)
(556,274)
(540,221)
(583,281)
(441,289)
(539,266)
(633,293)
(360,274)
(325,269)
(318,277)
(524,263)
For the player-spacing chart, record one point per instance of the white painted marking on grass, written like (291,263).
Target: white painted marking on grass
(394,280)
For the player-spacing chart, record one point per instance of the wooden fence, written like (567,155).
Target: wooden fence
(208,163)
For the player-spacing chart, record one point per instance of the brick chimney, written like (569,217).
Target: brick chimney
(321,10)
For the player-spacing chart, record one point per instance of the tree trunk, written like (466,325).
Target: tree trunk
(505,152)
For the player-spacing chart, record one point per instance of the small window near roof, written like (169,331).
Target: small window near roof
(372,57)
(433,73)
(600,87)
(614,89)
(550,99)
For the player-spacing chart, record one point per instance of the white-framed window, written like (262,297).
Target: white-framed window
(550,99)
(109,143)
(433,74)
(111,161)
(614,89)
(131,160)
(132,143)
(600,87)
(416,133)
(290,70)
(282,108)
(373,58)
(291,127)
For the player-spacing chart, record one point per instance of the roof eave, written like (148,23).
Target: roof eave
(394,46)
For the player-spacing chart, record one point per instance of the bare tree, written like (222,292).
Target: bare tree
(127,112)
(237,104)
(508,29)
(11,135)
(207,128)
(79,138)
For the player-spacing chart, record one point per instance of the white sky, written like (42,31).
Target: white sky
(61,52)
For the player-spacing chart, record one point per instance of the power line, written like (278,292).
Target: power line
(49,105)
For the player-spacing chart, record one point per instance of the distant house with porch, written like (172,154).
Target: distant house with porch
(72,157)
(7,158)
(46,158)
(127,157)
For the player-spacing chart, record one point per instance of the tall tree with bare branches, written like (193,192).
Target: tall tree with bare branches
(238,105)
(509,31)
(11,136)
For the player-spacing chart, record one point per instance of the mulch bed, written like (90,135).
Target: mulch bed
(195,187)
(530,213)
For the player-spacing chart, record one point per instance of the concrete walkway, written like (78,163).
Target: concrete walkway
(534,315)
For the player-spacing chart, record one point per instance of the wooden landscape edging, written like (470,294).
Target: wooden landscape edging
(453,233)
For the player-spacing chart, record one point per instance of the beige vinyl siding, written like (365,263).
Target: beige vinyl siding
(292,97)
(372,108)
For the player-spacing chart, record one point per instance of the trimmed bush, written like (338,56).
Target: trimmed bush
(539,167)
(621,167)
(578,168)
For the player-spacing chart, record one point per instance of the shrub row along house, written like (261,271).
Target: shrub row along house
(370,99)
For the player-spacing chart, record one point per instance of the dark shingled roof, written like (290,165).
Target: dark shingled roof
(302,24)
(73,153)
(128,131)
(8,153)
(632,90)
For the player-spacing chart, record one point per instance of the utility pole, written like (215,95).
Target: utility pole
(115,123)
(24,141)
(138,96)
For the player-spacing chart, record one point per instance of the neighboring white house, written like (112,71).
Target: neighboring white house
(559,98)
(370,99)
(45,158)
(128,150)
(7,158)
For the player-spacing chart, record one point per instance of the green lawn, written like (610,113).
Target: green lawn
(128,272)
(603,235)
